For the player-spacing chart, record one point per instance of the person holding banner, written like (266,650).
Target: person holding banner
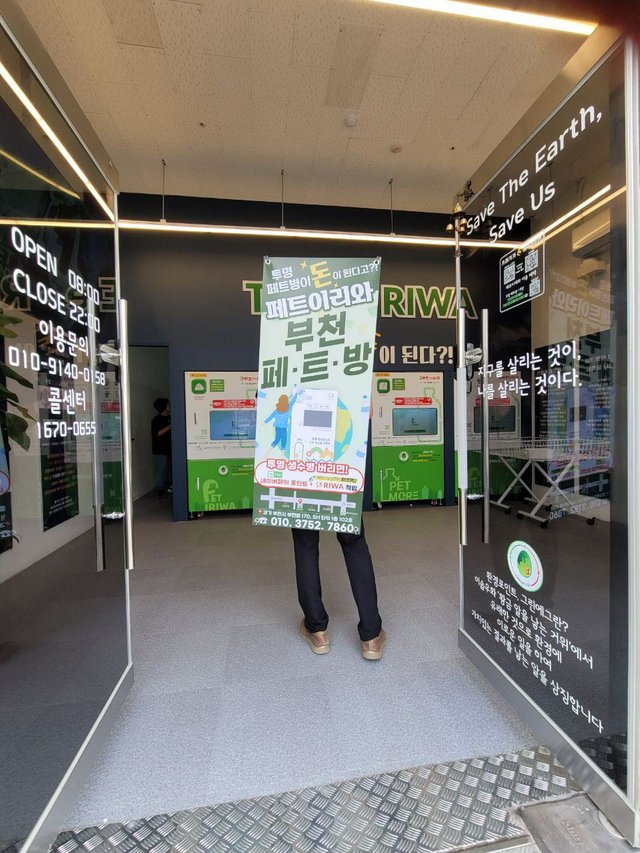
(317,335)
(363,585)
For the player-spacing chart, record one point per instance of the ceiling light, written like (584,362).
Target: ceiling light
(57,223)
(53,137)
(493,13)
(301,233)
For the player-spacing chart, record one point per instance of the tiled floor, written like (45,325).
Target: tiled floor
(230,703)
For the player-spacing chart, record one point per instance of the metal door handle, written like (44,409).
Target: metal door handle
(96,451)
(125,410)
(461,425)
(486,494)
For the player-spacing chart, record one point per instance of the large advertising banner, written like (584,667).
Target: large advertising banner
(314,400)
(408,437)
(220,410)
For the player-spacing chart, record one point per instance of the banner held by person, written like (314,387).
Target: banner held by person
(314,399)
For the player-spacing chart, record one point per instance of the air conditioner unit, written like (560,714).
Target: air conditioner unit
(592,236)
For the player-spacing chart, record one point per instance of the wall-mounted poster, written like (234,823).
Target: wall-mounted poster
(407,431)
(220,408)
(316,357)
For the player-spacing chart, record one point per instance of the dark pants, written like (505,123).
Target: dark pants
(162,470)
(361,576)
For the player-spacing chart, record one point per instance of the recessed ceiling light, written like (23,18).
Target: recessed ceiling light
(493,13)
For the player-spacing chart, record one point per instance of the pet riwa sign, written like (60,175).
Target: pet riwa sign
(317,336)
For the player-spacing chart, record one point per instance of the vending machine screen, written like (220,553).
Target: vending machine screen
(232,424)
(414,421)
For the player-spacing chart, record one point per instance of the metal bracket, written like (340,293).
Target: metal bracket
(473,356)
(109,354)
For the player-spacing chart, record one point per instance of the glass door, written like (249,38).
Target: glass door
(545,580)
(63,602)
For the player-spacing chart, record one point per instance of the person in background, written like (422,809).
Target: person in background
(161,446)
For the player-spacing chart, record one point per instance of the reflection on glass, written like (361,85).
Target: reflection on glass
(547,598)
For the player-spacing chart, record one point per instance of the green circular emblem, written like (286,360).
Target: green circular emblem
(525,565)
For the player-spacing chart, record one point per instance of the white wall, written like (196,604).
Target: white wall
(149,377)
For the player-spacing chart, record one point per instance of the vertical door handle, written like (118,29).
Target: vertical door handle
(461,426)
(125,412)
(486,493)
(96,449)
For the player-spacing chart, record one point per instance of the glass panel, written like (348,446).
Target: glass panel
(63,634)
(540,597)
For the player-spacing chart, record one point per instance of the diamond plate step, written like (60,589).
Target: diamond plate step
(442,807)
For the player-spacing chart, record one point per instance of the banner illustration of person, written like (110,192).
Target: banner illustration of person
(281,417)
(314,395)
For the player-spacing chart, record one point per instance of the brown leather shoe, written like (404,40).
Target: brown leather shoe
(372,649)
(318,640)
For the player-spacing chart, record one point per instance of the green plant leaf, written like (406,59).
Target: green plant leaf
(8,333)
(9,320)
(8,395)
(24,412)
(10,373)
(17,429)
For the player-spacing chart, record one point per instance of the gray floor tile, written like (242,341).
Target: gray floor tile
(158,757)
(229,701)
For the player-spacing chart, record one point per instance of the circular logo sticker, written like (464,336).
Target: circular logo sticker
(404,456)
(525,565)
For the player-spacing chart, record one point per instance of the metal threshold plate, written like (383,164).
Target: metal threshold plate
(570,824)
(439,807)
